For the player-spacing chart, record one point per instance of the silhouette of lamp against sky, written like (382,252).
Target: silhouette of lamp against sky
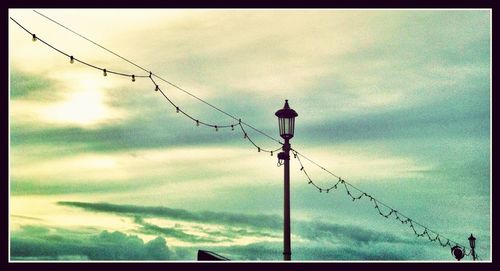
(472,243)
(286,120)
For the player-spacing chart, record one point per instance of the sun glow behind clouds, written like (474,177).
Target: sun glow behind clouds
(83,103)
(85,107)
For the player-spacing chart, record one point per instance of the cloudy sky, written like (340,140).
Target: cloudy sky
(397,102)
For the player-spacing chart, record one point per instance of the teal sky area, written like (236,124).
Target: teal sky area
(396,102)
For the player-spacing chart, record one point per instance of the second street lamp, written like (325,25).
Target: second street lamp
(286,119)
(472,243)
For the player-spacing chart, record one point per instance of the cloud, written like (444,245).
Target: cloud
(268,221)
(318,230)
(463,114)
(76,102)
(148,132)
(189,233)
(151,229)
(272,251)
(41,243)
(30,86)
(313,239)
(265,225)
(46,169)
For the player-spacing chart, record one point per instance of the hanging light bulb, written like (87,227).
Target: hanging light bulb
(34,37)
(197,123)
(71,59)
(258,149)
(177,109)
(232,127)
(150,74)
(157,88)
(245,136)
(216,129)
(133,78)
(104,72)
(271,153)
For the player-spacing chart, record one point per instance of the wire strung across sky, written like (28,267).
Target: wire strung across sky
(390,211)
(159,77)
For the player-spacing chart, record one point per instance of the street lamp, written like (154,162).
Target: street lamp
(286,120)
(472,243)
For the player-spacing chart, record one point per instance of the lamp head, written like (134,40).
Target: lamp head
(286,120)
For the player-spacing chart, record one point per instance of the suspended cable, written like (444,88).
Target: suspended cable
(259,149)
(179,110)
(89,40)
(73,59)
(157,88)
(160,78)
(389,210)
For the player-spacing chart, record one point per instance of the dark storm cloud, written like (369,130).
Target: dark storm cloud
(317,231)
(267,225)
(41,243)
(151,229)
(227,234)
(271,251)
(180,214)
(318,239)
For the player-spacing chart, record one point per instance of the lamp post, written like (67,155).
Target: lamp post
(286,120)
(472,243)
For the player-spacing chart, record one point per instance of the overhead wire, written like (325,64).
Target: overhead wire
(391,211)
(72,58)
(404,219)
(157,88)
(160,78)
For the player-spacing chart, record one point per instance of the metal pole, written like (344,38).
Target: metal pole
(287,251)
(472,242)
(473,252)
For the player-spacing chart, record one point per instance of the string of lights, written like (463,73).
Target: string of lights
(157,88)
(259,149)
(89,40)
(377,203)
(389,210)
(198,122)
(161,78)
(179,110)
(72,59)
